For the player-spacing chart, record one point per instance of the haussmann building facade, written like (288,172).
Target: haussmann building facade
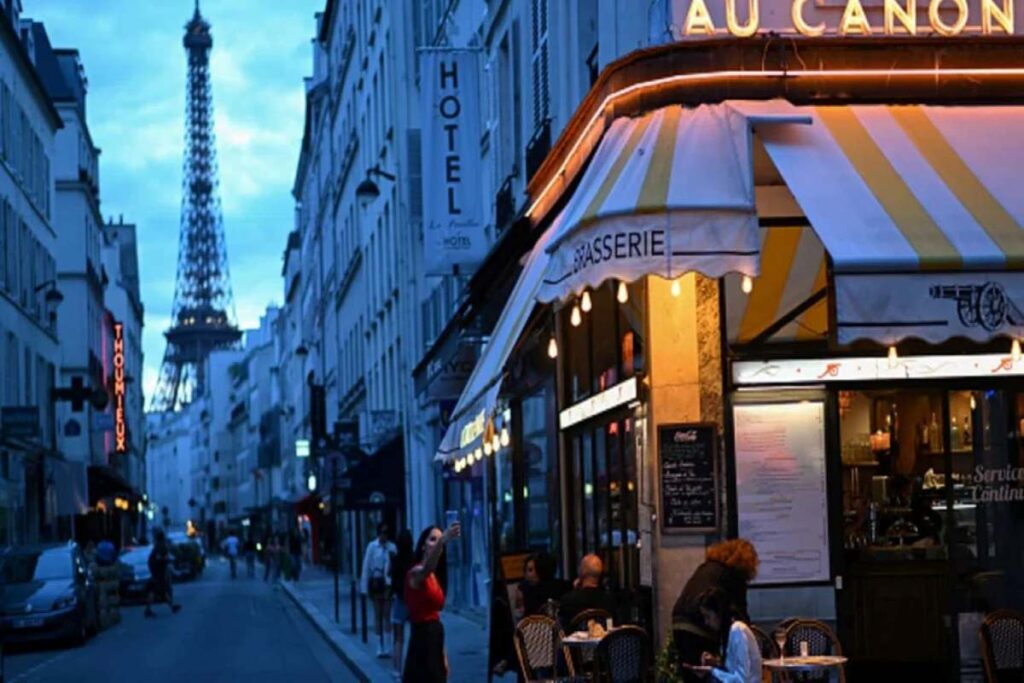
(772,288)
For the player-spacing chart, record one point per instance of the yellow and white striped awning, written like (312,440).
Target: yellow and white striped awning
(666,193)
(920,208)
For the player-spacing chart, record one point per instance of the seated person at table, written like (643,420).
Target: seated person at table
(539,584)
(741,658)
(588,592)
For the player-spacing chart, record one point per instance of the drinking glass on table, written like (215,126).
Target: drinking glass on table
(780,640)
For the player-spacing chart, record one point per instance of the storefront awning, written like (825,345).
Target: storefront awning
(479,399)
(921,212)
(666,193)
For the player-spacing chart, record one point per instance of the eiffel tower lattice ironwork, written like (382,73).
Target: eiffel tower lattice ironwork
(203,316)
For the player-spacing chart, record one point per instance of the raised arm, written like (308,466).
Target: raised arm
(421,571)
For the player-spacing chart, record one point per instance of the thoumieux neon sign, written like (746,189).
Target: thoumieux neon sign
(120,425)
(899,17)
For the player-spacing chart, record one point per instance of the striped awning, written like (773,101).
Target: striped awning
(789,299)
(666,193)
(921,211)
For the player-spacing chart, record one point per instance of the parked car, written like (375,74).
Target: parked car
(135,574)
(46,594)
(189,558)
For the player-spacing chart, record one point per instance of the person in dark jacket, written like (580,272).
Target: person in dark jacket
(728,566)
(160,578)
(587,594)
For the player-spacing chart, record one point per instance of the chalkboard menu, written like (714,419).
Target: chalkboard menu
(689,477)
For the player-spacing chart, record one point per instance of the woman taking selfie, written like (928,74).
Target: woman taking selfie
(426,660)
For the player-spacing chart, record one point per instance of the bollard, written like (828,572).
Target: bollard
(352,596)
(362,599)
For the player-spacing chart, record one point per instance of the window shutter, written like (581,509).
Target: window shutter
(539,61)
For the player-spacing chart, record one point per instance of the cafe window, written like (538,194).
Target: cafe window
(603,494)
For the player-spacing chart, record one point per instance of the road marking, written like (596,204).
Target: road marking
(26,675)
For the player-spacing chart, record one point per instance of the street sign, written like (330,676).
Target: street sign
(19,422)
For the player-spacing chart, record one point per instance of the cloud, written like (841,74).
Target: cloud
(135,63)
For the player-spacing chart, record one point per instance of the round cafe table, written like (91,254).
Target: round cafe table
(798,667)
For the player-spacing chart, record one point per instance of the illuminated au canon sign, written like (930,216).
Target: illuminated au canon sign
(120,425)
(743,18)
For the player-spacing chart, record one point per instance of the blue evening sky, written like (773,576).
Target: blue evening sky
(135,63)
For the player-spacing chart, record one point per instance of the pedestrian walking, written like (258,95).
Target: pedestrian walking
(271,560)
(374,582)
(250,556)
(230,546)
(427,661)
(295,550)
(159,576)
(401,563)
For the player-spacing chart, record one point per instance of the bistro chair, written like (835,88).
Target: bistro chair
(623,656)
(538,640)
(1002,646)
(765,643)
(584,657)
(821,640)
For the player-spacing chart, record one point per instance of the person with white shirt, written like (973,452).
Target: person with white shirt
(375,583)
(741,657)
(230,547)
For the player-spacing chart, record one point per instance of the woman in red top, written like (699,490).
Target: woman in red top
(426,661)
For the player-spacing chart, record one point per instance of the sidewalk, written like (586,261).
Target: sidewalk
(466,640)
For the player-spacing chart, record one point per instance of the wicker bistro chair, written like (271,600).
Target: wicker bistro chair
(821,640)
(584,657)
(623,656)
(1002,646)
(765,643)
(538,641)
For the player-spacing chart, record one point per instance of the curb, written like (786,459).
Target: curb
(366,668)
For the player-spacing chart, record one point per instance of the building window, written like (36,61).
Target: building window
(539,45)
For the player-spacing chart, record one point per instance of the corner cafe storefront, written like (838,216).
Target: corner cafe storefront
(777,291)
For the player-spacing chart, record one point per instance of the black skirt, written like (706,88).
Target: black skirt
(424,662)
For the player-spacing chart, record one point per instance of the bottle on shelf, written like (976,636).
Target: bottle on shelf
(965,433)
(934,439)
(954,436)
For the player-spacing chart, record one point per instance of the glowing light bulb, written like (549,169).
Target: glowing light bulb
(747,285)
(1015,350)
(974,405)
(893,357)
(585,302)
(496,444)
(505,438)
(552,348)
(479,453)
(487,448)
(575,318)
(623,293)
(676,288)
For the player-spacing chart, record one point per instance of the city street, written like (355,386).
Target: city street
(226,630)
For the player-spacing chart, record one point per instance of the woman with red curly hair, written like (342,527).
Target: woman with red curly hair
(728,566)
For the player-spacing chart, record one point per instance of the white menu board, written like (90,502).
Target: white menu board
(781,490)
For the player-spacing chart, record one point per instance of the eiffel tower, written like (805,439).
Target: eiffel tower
(203,316)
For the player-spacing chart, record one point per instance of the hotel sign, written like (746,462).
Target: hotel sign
(120,424)
(687,19)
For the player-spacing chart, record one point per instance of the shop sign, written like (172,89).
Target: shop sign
(684,19)
(996,484)
(472,430)
(19,422)
(453,204)
(618,395)
(822,370)
(120,423)
(447,376)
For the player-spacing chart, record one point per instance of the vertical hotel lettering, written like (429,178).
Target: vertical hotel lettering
(899,17)
(450,107)
(120,426)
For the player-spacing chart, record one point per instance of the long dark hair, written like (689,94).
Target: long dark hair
(716,600)
(441,571)
(401,562)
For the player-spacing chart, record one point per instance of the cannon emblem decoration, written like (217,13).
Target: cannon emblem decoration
(986,305)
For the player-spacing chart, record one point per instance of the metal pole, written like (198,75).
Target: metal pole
(337,535)
(352,600)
